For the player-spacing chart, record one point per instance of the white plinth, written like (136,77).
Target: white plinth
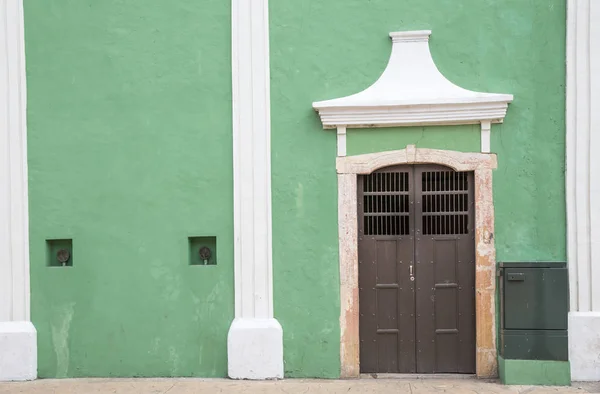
(18,351)
(255,349)
(584,346)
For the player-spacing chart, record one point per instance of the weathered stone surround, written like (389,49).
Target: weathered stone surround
(485,261)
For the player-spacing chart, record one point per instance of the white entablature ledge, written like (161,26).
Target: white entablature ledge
(412,92)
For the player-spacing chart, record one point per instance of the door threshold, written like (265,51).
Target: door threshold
(417,376)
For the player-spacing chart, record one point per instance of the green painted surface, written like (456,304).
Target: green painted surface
(328,49)
(534,372)
(129,111)
(130,154)
(460,138)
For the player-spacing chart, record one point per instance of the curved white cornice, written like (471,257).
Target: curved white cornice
(412,91)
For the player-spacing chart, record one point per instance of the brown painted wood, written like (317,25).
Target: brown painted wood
(421,215)
(386,294)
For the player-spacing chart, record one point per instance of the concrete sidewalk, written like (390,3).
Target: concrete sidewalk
(288,386)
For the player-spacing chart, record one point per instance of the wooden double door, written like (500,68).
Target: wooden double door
(416,252)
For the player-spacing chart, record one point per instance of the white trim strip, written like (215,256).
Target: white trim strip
(14,220)
(571,122)
(583,167)
(252,159)
(594,147)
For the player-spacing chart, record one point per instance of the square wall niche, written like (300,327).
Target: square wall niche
(203,250)
(59,252)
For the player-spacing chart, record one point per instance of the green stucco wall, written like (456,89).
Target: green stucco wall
(130,153)
(328,49)
(129,121)
(464,138)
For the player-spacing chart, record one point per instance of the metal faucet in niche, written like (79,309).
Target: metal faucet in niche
(63,256)
(205,254)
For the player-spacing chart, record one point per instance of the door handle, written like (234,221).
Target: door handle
(410,271)
(516,276)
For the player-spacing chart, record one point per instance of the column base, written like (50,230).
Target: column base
(18,351)
(584,345)
(255,349)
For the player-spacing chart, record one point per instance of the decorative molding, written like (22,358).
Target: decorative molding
(583,186)
(412,115)
(459,161)
(411,91)
(14,218)
(255,344)
(485,253)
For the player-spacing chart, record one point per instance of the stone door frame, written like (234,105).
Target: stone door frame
(482,164)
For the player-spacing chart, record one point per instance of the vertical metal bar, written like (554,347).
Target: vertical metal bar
(445,221)
(430,224)
(378,199)
(386,203)
(442,182)
(444,204)
(387,181)
(369,219)
(452,224)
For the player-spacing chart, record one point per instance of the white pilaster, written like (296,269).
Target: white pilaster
(486,130)
(583,186)
(255,340)
(18,346)
(341,141)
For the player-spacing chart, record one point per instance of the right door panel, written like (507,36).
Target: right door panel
(445,270)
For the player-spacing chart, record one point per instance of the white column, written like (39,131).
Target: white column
(255,340)
(18,346)
(583,187)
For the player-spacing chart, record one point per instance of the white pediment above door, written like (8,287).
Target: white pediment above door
(412,92)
